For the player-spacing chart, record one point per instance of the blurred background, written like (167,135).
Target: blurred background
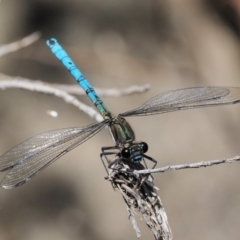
(168,44)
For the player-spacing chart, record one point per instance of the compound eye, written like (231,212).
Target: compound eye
(125,153)
(144,147)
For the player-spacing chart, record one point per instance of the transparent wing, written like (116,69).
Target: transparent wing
(186,99)
(33,155)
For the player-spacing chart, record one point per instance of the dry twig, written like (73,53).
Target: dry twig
(187,166)
(112,92)
(15,46)
(19,82)
(140,195)
(62,91)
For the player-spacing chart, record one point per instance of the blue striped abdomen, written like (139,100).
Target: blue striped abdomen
(61,54)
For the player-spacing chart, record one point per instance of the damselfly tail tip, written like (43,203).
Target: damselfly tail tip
(51,42)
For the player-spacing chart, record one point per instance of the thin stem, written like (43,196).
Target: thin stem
(187,166)
(44,88)
(14,46)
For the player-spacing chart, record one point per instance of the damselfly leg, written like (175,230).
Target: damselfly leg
(132,153)
(107,163)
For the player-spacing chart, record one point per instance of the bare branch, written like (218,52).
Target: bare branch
(113,92)
(140,195)
(61,91)
(18,82)
(131,217)
(75,89)
(186,166)
(12,47)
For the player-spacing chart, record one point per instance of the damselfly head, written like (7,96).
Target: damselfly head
(134,151)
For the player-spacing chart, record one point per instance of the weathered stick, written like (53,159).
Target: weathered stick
(187,166)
